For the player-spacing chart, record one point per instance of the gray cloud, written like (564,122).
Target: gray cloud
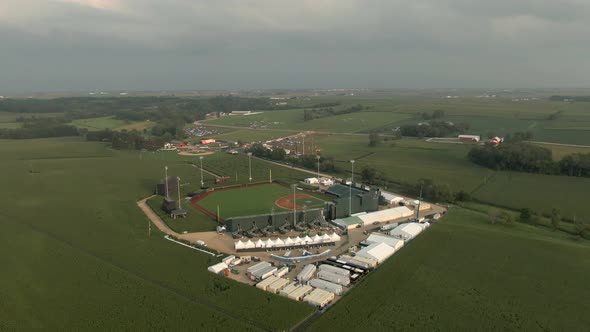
(184,44)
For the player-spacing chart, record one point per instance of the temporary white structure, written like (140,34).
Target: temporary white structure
(300,292)
(391,198)
(289,241)
(326,238)
(240,245)
(378,251)
(407,231)
(326,285)
(335,237)
(316,239)
(319,297)
(389,240)
(297,240)
(269,243)
(259,243)
(279,242)
(217,268)
(249,244)
(307,240)
(277,285)
(386,215)
(306,273)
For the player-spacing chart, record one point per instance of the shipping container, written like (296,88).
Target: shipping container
(277,285)
(300,292)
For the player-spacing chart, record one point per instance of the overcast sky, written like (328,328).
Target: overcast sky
(65,45)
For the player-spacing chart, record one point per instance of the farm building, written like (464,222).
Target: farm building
(217,268)
(266,282)
(469,138)
(326,285)
(306,273)
(277,285)
(389,240)
(312,181)
(378,251)
(390,198)
(319,297)
(407,231)
(326,182)
(365,219)
(300,292)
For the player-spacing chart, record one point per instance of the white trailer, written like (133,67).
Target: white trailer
(326,285)
(282,271)
(306,273)
(333,277)
(334,269)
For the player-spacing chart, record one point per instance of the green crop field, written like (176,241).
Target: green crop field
(106,122)
(252,200)
(293,120)
(464,274)
(81,259)
(538,192)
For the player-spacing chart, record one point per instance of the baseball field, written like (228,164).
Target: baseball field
(256,199)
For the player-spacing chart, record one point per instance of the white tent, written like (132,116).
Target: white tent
(316,239)
(259,244)
(335,237)
(268,243)
(395,243)
(217,268)
(378,251)
(407,231)
(289,241)
(297,241)
(249,244)
(326,238)
(307,240)
(279,242)
(240,245)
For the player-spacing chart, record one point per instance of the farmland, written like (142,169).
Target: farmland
(110,122)
(464,273)
(71,215)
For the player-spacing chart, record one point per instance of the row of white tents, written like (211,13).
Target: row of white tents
(288,242)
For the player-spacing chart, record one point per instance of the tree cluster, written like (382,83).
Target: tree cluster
(310,114)
(436,114)
(434,129)
(40,128)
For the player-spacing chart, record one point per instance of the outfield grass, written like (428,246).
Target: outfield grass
(81,259)
(252,200)
(466,275)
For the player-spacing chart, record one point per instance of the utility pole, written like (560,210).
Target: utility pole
(419,201)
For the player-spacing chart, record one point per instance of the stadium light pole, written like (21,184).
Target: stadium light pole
(350,188)
(166,179)
(318,158)
(201,160)
(178,186)
(294,206)
(250,166)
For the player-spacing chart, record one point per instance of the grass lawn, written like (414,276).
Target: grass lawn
(81,258)
(106,122)
(465,275)
(252,200)
(196,221)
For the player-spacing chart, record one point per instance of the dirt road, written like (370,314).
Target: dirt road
(156,220)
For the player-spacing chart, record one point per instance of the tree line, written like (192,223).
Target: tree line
(307,160)
(526,157)
(310,114)
(434,129)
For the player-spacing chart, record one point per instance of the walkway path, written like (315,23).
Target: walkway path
(156,220)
